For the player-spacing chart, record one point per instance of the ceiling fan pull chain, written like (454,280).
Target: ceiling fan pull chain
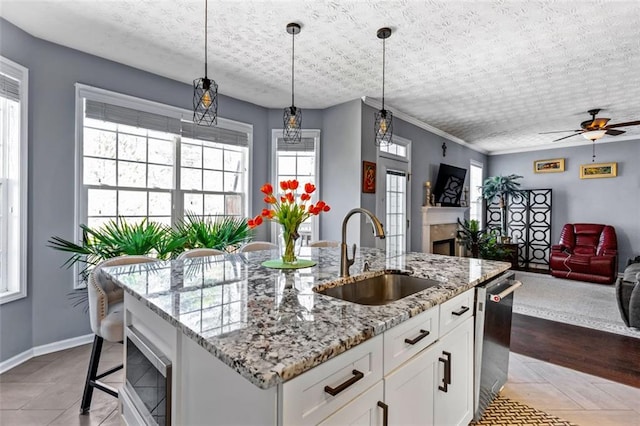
(593,155)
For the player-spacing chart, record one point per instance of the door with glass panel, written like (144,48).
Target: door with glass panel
(393,199)
(298,161)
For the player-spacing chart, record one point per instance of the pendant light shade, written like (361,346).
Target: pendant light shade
(292,118)
(205,91)
(384,118)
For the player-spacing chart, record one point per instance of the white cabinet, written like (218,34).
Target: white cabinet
(409,390)
(454,381)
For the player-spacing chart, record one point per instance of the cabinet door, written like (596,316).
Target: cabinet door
(454,379)
(362,411)
(409,390)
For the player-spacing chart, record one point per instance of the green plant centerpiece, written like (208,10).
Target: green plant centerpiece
(502,189)
(222,233)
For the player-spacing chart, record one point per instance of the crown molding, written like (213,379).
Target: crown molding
(578,142)
(374,103)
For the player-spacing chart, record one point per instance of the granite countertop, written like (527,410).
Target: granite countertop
(269,325)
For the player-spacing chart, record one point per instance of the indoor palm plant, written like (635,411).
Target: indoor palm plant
(501,189)
(223,233)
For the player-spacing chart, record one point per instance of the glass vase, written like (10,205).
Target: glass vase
(290,244)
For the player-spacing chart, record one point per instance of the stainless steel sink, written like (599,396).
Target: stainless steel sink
(381,289)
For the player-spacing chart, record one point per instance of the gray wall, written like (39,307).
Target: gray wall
(426,156)
(340,169)
(613,201)
(46,315)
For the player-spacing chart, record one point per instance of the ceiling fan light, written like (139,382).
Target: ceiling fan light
(594,134)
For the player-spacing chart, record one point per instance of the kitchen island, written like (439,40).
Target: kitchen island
(238,333)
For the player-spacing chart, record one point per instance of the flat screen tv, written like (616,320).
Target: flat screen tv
(449,185)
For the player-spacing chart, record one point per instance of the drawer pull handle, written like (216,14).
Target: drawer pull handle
(422,335)
(447,371)
(357,375)
(460,311)
(385,413)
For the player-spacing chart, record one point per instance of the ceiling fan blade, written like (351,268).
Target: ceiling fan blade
(628,123)
(566,137)
(559,131)
(614,132)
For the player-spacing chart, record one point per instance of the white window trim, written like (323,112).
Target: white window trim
(305,133)
(21,73)
(469,201)
(407,159)
(84,91)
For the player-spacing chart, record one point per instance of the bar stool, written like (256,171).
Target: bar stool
(200,252)
(258,245)
(106,312)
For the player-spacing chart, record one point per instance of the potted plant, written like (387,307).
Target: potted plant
(501,189)
(223,233)
(470,236)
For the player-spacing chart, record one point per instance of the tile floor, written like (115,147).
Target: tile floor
(46,390)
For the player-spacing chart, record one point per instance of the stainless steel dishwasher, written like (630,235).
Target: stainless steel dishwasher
(494,305)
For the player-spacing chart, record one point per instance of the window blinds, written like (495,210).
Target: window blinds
(132,117)
(306,144)
(9,88)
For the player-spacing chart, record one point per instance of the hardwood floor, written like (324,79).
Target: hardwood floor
(610,356)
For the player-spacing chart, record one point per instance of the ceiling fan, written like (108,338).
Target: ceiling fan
(595,128)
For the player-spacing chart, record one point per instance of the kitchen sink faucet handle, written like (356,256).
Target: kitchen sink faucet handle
(366,267)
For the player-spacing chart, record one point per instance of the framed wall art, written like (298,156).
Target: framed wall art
(549,166)
(368,177)
(598,170)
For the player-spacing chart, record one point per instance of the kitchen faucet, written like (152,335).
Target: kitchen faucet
(378,229)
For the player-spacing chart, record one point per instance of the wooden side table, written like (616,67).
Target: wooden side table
(513,256)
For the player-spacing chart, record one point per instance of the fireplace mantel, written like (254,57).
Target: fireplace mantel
(438,216)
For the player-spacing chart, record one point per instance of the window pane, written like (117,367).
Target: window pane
(160,204)
(287,165)
(214,205)
(234,205)
(212,158)
(161,152)
(212,181)
(193,204)
(132,148)
(160,176)
(232,182)
(191,155)
(131,174)
(191,179)
(132,130)
(102,202)
(98,143)
(99,172)
(232,161)
(132,203)
(306,166)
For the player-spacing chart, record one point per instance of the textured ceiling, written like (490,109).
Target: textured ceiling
(493,73)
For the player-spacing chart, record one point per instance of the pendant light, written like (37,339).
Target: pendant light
(384,118)
(205,91)
(292,118)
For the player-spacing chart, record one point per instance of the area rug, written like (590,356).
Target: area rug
(571,302)
(503,411)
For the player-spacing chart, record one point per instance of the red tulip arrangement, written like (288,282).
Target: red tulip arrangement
(290,210)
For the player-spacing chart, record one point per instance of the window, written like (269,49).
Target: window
(475,192)
(13,180)
(299,161)
(142,160)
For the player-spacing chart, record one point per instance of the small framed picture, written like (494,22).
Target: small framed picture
(368,177)
(548,166)
(598,170)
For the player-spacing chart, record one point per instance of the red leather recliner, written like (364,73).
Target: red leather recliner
(587,252)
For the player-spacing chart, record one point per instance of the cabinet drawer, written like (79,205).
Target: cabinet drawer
(306,400)
(407,339)
(455,311)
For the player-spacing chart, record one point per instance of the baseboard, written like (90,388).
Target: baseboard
(44,349)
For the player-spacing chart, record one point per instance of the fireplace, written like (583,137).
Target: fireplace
(439,228)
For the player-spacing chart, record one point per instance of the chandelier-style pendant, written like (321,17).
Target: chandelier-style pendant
(292,121)
(205,101)
(205,91)
(384,119)
(292,118)
(384,127)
